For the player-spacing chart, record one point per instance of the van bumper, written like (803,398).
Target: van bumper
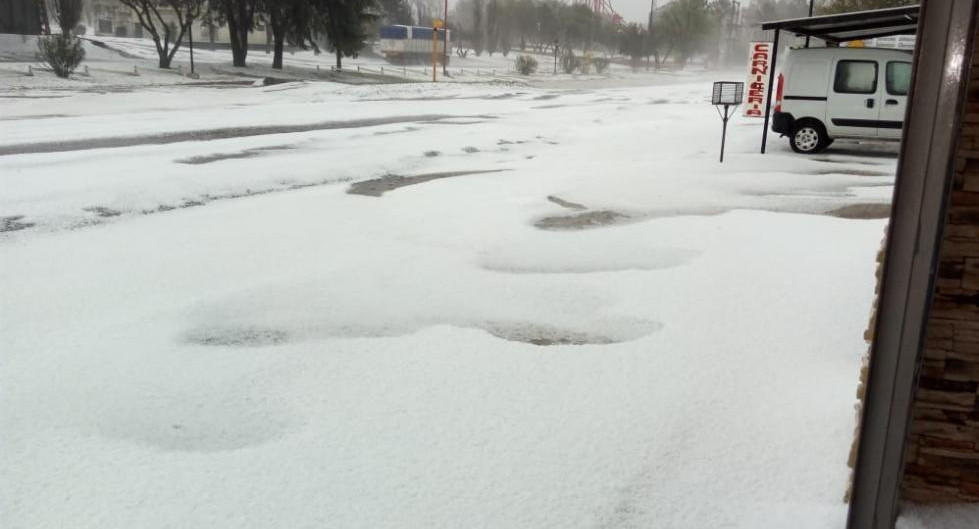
(782,122)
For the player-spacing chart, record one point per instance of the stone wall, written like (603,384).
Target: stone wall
(942,461)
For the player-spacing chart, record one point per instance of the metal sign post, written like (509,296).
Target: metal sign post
(190,38)
(436,25)
(555,57)
(726,94)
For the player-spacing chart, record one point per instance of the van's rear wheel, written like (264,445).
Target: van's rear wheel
(809,137)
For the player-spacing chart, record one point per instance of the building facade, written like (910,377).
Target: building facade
(112,18)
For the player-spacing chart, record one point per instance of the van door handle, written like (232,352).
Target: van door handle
(870,103)
(890,102)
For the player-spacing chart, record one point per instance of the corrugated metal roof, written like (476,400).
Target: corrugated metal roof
(860,25)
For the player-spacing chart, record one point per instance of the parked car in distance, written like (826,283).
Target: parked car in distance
(829,93)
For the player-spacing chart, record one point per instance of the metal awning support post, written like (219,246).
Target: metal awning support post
(768,99)
(943,54)
(811,2)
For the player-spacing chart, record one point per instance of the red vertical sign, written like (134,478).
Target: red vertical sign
(756,86)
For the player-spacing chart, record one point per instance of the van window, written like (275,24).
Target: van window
(898,78)
(856,77)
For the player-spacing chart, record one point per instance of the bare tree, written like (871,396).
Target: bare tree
(167,31)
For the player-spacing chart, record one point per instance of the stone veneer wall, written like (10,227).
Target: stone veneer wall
(942,460)
(868,336)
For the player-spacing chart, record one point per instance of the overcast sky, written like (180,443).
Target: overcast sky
(634,10)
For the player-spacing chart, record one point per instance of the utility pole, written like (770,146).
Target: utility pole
(445,40)
(435,39)
(555,57)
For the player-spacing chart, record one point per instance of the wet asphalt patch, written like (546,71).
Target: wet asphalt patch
(215,134)
(861,211)
(581,221)
(247,153)
(13,223)
(378,186)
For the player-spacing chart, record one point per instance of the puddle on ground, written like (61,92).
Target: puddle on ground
(237,336)
(398,131)
(594,332)
(432,154)
(566,203)
(861,211)
(379,186)
(103,212)
(35,116)
(545,335)
(13,223)
(828,159)
(582,221)
(247,153)
(853,172)
(546,257)
(865,151)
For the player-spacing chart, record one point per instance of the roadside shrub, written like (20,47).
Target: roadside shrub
(525,64)
(63,53)
(569,63)
(600,64)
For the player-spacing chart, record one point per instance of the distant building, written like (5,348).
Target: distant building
(112,18)
(109,17)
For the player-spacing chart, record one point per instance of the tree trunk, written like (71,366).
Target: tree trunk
(339,58)
(238,33)
(161,52)
(278,38)
(277,54)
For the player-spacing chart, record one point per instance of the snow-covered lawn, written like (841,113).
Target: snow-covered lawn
(114,62)
(414,306)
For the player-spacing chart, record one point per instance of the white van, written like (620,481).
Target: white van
(829,93)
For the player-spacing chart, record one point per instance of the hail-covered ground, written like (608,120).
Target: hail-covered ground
(426,306)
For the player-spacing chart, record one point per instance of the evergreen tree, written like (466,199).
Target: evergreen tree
(478,40)
(396,12)
(492,26)
(289,21)
(345,24)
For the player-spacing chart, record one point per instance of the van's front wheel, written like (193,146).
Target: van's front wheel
(809,137)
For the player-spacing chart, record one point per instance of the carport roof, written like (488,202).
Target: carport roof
(852,26)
